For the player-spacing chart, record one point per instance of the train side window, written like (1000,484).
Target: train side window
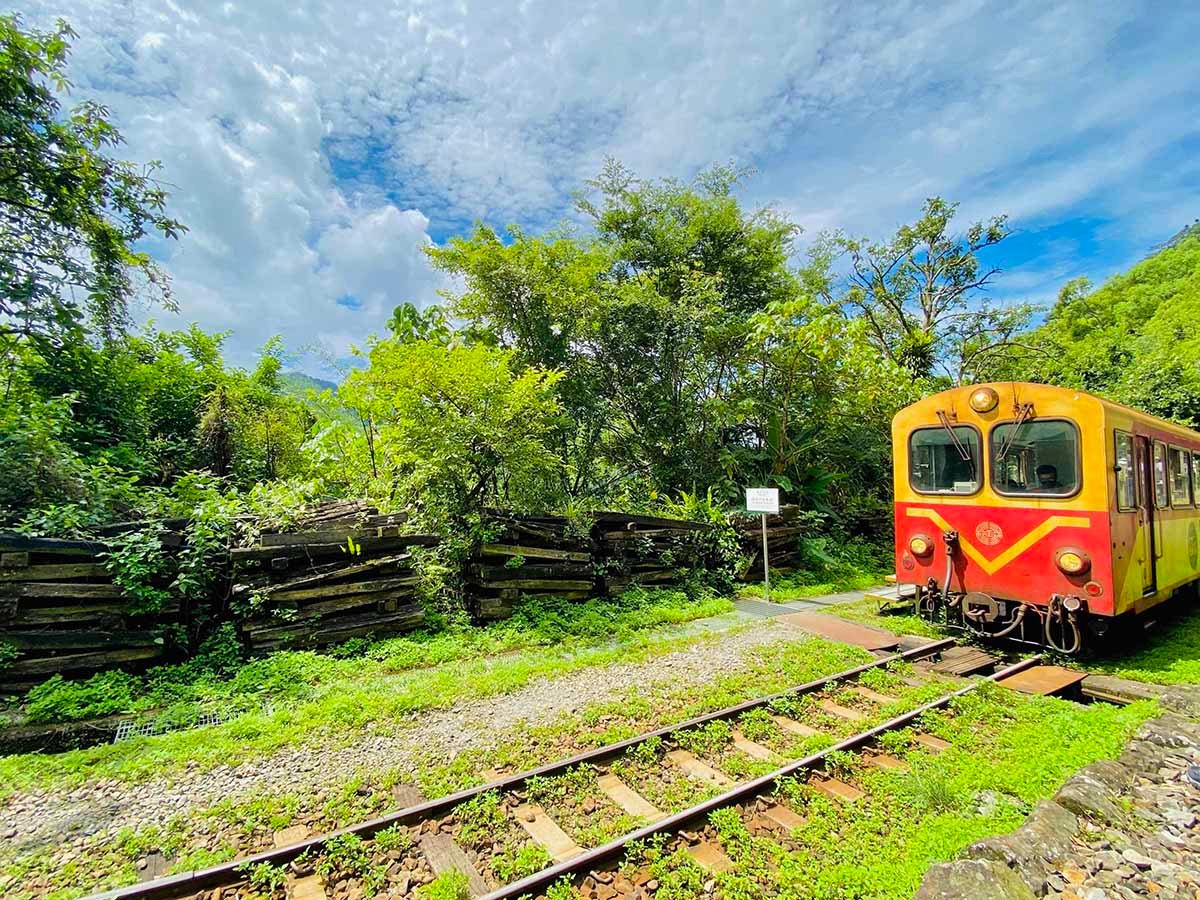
(1160,475)
(1196,476)
(1181,476)
(1126,474)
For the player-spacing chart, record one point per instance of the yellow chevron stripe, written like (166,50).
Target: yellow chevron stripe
(992,566)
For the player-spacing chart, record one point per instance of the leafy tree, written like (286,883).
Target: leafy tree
(915,292)
(70,214)
(1134,340)
(458,427)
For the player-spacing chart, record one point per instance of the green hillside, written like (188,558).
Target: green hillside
(1135,340)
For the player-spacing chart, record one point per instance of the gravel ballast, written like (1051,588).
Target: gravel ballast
(89,812)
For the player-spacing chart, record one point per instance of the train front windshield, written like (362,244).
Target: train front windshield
(944,460)
(1039,457)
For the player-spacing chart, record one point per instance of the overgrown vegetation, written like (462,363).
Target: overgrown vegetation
(300,697)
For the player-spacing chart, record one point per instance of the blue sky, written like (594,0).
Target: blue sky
(316,148)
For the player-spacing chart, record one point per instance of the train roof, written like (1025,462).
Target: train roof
(1033,388)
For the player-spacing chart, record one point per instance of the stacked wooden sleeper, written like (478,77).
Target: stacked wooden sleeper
(645,549)
(343,574)
(61,613)
(529,556)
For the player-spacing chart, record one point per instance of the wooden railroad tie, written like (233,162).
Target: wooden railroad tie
(711,857)
(743,744)
(843,712)
(444,855)
(545,831)
(796,728)
(874,696)
(628,799)
(931,743)
(694,768)
(836,789)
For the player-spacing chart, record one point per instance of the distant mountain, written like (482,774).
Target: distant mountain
(297,384)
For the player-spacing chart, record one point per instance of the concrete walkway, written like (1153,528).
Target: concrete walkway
(760,609)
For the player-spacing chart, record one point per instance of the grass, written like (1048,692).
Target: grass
(186,841)
(828,568)
(293,698)
(1009,751)
(900,621)
(1168,654)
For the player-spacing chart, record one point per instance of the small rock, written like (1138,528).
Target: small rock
(1134,858)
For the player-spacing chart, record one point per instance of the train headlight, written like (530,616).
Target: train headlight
(1072,562)
(920,545)
(984,399)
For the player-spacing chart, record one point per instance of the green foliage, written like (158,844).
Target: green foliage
(451,429)
(1134,340)
(450,885)
(59,700)
(138,566)
(73,214)
(266,879)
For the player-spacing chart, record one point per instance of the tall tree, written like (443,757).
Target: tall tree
(916,290)
(71,215)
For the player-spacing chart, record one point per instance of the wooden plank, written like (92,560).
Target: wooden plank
(1119,690)
(443,855)
(545,831)
(18,560)
(341,590)
(842,631)
(797,728)
(711,857)
(310,887)
(10,542)
(874,696)
(76,640)
(527,570)
(317,632)
(842,712)
(1043,680)
(783,816)
(328,535)
(965,661)
(885,762)
(328,575)
(695,769)
(65,590)
(931,743)
(534,552)
(836,789)
(368,546)
(628,799)
(288,836)
(62,571)
(407,795)
(755,751)
(51,665)
(543,584)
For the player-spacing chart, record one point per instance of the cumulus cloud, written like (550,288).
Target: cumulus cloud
(315,148)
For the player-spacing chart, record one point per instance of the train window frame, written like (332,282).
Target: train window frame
(979,477)
(1196,475)
(1125,476)
(1162,488)
(1041,495)
(1185,457)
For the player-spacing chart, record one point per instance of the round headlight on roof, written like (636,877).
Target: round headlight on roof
(984,399)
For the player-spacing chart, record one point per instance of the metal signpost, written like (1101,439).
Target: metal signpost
(765,501)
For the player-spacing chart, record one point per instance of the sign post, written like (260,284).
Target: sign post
(765,501)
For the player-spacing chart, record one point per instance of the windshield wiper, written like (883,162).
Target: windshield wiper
(963,452)
(1024,414)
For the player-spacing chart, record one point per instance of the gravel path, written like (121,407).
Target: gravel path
(103,807)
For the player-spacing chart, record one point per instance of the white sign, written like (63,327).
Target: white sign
(762,500)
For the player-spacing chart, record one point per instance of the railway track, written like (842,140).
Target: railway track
(576,818)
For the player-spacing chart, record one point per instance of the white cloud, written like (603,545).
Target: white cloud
(315,147)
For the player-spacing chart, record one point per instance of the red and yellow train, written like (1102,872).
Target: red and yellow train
(1042,514)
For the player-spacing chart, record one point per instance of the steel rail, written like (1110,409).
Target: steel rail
(532,884)
(197,880)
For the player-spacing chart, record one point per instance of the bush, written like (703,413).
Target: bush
(59,700)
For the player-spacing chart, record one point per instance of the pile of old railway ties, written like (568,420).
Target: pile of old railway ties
(594,868)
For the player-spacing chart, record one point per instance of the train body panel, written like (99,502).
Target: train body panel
(1046,498)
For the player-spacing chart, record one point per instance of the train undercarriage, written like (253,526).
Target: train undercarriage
(1062,624)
